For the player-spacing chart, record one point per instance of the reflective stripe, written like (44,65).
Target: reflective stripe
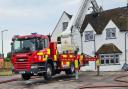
(98,62)
(48,51)
(71,56)
(56,52)
(40,53)
(62,63)
(76,64)
(81,57)
(68,63)
(46,57)
(55,58)
(64,56)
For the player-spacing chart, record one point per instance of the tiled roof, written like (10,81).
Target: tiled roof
(99,20)
(108,49)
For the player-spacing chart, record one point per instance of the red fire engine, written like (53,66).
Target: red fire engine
(35,54)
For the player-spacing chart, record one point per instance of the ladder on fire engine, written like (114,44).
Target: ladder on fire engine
(78,19)
(82,12)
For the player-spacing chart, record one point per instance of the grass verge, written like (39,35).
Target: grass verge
(6,72)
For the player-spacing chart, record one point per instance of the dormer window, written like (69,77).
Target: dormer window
(89,36)
(65,25)
(111,33)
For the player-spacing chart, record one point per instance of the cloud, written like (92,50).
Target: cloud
(26,9)
(120,1)
(72,2)
(23,13)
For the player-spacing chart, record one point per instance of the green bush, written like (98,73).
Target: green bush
(7,59)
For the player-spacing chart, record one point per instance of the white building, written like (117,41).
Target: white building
(105,33)
(61,26)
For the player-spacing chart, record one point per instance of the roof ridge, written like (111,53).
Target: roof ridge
(70,16)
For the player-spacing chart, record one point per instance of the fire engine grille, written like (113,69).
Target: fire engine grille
(22,64)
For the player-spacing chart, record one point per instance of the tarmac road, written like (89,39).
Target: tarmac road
(6,78)
(68,82)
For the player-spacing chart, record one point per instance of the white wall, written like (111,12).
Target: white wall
(59,27)
(100,40)
(118,42)
(88,45)
(76,39)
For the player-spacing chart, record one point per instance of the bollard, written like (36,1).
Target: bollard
(98,70)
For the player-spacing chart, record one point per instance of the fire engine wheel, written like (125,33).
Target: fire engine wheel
(71,70)
(26,76)
(48,73)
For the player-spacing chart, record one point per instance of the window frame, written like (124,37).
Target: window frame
(89,33)
(59,40)
(65,25)
(109,32)
(108,56)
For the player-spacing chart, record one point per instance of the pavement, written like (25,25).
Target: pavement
(4,79)
(86,80)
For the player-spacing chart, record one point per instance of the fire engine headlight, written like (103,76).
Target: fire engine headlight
(34,66)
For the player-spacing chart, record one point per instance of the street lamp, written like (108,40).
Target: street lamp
(2,41)
(126,48)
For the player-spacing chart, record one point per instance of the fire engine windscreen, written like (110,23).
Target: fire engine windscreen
(27,45)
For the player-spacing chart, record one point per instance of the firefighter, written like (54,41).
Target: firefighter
(76,65)
(98,64)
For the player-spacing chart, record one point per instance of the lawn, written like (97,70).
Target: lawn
(6,72)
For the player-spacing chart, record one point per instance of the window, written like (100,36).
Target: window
(40,44)
(89,36)
(109,59)
(59,40)
(46,43)
(65,25)
(111,33)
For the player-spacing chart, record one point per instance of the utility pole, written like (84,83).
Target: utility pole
(127,3)
(2,44)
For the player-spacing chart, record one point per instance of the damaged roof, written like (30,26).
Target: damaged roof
(108,49)
(99,20)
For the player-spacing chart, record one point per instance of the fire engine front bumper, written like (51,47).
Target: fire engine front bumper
(26,71)
(31,71)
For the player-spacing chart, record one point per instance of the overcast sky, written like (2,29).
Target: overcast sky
(26,16)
